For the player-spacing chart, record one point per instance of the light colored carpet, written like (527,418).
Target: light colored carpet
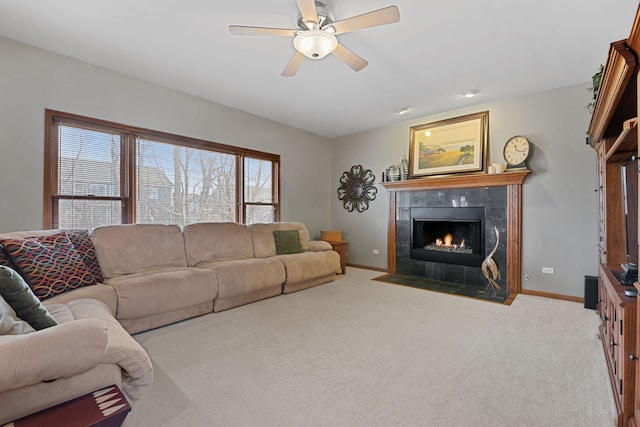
(358,352)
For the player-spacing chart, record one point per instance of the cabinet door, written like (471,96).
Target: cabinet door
(625,347)
(633,359)
(616,346)
(602,298)
(612,339)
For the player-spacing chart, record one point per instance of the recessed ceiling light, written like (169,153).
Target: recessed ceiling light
(401,111)
(470,94)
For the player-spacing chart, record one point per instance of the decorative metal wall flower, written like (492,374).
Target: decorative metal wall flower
(356,189)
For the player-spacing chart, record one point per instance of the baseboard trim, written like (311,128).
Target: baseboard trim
(367,267)
(552,295)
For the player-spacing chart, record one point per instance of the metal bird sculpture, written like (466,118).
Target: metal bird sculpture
(490,268)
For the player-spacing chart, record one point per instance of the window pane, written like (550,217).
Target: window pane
(182,185)
(260,214)
(178,180)
(89,213)
(258,181)
(89,162)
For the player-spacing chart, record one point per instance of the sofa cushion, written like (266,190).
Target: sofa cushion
(16,292)
(209,242)
(10,323)
(310,266)
(104,293)
(248,275)
(161,291)
(247,280)
(319,245)
(50,264)
(287,242)
(60,312)
(264,245)
(136,248)
(83,244)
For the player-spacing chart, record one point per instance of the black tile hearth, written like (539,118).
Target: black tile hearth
(477,292)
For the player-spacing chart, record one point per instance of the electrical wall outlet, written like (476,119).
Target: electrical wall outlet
(376,252)
(547,270)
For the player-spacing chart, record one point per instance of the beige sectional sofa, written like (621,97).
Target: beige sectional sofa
(147,267)
(241,278)
(153,275)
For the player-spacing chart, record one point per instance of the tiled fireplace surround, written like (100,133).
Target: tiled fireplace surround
(499,194)
(494,202)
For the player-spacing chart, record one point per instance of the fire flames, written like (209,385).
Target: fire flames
(447,242)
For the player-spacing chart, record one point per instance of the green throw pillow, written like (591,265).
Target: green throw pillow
(10,324)
(287,242)
(27,306)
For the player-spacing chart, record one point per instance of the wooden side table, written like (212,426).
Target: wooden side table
(340,246)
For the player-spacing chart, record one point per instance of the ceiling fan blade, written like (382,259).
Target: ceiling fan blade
(292,67)
(240,30)
(351,59)
(387,15)
(308,10)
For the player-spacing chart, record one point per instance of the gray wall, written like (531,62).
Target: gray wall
(559,202)
(32,79)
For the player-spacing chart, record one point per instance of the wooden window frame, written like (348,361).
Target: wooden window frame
(275,189)
(128,190)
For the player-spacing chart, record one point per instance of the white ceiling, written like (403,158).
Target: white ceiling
(439,49)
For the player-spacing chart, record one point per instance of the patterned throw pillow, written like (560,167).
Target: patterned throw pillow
(49,264)
(5,260)
(83,244)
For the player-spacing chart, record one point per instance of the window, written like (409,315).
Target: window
(260,204)
(101,173)
(196,184)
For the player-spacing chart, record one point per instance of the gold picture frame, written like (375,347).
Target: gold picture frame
(449,146)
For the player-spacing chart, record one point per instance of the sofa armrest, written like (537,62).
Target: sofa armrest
(133,360)
(59,351)
(319,245)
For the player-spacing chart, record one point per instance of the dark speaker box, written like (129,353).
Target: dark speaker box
(590,292)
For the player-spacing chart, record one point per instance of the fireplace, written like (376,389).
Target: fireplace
(431,224)
(448,235)
(499,195)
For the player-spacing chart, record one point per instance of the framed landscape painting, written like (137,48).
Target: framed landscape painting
(449,146)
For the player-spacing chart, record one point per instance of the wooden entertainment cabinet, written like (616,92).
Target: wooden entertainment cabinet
(614,136)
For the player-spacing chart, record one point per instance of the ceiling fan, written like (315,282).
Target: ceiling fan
(316,34)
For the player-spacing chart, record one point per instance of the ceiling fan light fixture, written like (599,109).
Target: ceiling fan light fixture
(315,36)
(315,44)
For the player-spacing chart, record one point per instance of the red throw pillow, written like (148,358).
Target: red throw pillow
(49,264)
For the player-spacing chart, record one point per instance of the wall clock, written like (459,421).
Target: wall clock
(356,189)
(516,151)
